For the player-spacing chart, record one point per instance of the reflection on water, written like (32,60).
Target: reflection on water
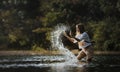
(102,63)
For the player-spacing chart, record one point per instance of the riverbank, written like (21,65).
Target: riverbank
(21,52)
(28,52)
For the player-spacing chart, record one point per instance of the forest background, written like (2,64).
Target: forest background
(27,24)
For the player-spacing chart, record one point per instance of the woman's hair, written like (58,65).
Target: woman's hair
(81,27)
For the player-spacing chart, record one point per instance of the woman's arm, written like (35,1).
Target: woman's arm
(69,38)
(80,43)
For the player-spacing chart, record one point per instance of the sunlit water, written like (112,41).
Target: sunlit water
(56,63)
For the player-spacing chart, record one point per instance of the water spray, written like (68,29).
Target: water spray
(57,43)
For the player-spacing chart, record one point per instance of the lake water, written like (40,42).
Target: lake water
(55,63)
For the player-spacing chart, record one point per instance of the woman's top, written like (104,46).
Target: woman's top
(83,37)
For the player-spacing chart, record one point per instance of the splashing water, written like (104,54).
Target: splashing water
(57,43)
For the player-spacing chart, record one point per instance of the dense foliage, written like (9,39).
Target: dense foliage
(26,24)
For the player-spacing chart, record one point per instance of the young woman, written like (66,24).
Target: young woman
(83,41)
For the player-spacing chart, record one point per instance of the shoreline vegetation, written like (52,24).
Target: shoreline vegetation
(29,52)
(27,24)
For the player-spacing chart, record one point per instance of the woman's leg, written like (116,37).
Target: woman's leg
(80,55)
(89,53)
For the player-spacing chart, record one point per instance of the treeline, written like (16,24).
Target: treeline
(26,24)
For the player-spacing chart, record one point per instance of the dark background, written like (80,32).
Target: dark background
(27,24)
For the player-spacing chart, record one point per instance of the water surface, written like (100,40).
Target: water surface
(56,63)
